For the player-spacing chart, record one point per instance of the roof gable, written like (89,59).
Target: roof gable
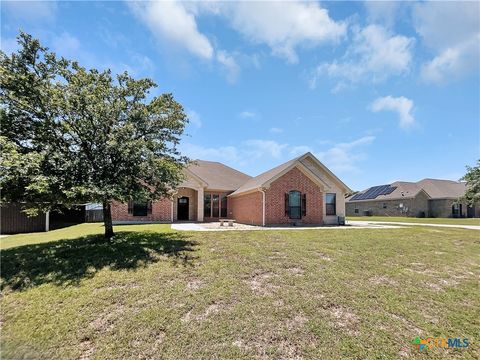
(314,169)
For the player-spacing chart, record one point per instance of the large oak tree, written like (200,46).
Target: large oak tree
(71,135)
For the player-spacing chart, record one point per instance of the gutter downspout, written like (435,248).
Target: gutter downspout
(263,208)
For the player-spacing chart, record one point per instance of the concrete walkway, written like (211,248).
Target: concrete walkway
(215,226)
(366,223)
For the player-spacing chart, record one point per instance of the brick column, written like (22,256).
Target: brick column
(200,204)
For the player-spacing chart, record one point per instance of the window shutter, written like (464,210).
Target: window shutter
(304,204)
(287,212)
(149,207)
(130,207)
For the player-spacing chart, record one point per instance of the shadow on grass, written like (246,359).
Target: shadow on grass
(66,262)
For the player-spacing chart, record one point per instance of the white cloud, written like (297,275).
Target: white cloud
(38,11)
(283,26)
(227,154)
(275,130)
(230,65)
(401,105)
(172,21)
(375,54)
(258,148)
(452,31)
(343,157)
(66,44)
(246,114)
(384,12)
(194,118)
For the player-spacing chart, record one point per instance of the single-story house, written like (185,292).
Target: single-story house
(425,198)
(300,191)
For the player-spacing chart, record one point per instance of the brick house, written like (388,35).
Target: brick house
(300,191)
(425,198)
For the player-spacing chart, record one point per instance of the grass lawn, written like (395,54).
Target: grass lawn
(312,294)
(448,221)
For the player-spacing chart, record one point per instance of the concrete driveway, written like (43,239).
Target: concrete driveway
(366,223)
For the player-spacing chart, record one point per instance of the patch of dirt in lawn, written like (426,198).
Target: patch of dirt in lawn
(194,284)
(297,322)
(106,321)
(295,270)
(404,352)
(240,344)
(277,255)
(344,318)
(260,285)
(159,339)
(382,280)
(264,344)
(88,349)
(116,287)
(213,308)
(323,256)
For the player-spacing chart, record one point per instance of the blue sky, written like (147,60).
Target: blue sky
(378,91)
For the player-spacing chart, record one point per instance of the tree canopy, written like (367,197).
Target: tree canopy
(71,135)
(472,177)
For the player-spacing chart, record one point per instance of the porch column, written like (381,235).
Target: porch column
(200,204)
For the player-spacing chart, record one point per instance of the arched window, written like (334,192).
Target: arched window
(295,204)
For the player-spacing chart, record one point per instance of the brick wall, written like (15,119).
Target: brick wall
(161,212)
(275,199)
(247,209)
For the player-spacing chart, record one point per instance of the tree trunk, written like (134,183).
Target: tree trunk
(107,219)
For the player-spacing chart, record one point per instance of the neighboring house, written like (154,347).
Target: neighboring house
(425,198)
(300,191)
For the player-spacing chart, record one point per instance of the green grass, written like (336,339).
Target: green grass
(329,294)
(448,221)
(73,232)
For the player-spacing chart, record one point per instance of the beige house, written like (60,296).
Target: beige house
(425,198)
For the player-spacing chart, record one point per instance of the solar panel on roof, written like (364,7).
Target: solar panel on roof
(374,192)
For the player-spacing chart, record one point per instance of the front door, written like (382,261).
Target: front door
(182,208)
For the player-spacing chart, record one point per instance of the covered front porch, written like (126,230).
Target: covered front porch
(187,204)
(198,205)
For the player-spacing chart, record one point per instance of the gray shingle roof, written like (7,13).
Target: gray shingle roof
(440,189)
(217,175)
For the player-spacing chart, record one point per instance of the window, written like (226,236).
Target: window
(331,204)
(207,205)
(294,204)
(139,208)
(223,206)
(384,205)
(356,210)
(215,205)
